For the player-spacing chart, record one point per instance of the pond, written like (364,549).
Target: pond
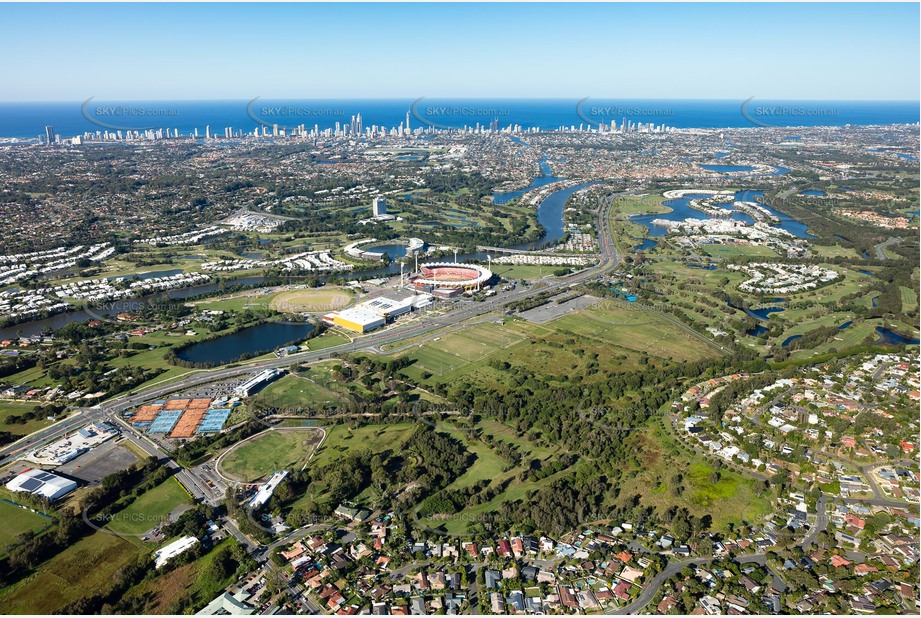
(890,337)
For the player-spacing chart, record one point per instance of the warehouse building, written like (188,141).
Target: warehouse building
(44,484)
(359,319)
(375,313)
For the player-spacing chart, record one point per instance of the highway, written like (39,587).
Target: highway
(419,326)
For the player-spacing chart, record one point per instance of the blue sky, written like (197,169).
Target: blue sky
(239,51)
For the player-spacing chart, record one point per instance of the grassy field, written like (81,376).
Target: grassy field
(614,336)
(638,204)
(909,299)
(523,271)
(329,339)
(375,438)
(834,251)
(15,409)
(17,521)
(312,386)
(451,354)
(639,331)
(84,568)
(311,300)
(282,449)
(150,509)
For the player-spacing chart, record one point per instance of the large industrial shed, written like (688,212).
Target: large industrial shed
(41,483)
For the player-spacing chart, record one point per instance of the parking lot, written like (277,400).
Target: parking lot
(552,310)
(98,463)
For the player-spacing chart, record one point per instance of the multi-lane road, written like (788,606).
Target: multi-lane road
(415,328)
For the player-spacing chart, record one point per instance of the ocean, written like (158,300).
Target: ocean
(28,120)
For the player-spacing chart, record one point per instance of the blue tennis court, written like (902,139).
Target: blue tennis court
(214,420)
(165,421)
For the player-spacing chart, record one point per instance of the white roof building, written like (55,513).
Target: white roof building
(41,483)
(164,554)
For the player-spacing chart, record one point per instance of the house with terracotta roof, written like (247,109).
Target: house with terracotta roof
(865,569)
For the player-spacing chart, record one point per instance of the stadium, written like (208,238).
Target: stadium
(450,275)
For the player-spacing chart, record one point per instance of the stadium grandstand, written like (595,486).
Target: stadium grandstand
(448,275)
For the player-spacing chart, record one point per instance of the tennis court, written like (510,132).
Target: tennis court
(146,414)
(187,424)
(214,421)
(165,421)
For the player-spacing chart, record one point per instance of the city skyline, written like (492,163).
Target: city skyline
(827,51)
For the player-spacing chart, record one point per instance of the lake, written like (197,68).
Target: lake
(681,211)
(253,341)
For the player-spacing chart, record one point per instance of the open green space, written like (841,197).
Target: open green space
(314,385)
(734,251)
(192,585)
(341,439)
(329,339)
(150,509)
(633,329)
(17,520)
(310,300)
(524,271)
(732,498)
(272,451)
(17,409)
(85,568)
(834,251)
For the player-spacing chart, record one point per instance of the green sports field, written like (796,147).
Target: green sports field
(281,449)
(150,509)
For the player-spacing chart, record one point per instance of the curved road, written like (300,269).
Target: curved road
(112,407)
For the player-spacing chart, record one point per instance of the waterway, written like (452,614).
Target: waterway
(546,177)
(150,275)
(549,214)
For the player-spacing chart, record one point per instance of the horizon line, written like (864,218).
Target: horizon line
(442,98)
